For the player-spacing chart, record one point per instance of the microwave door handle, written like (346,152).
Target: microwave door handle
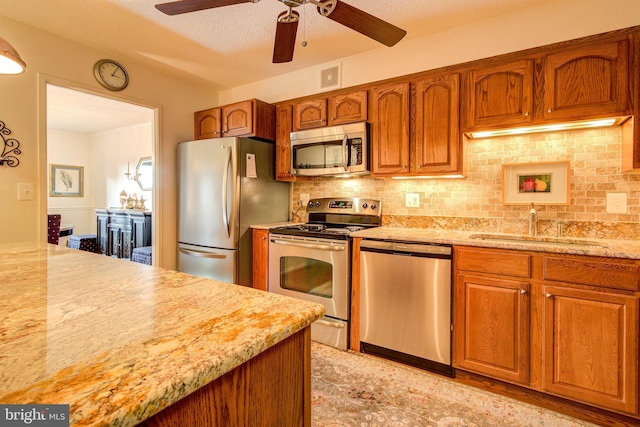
(345,157)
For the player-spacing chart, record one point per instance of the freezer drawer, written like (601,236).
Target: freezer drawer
(212,263)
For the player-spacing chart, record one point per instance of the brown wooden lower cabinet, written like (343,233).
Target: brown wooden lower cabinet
(260,259)
(572,334)
(272,389)
(493,327)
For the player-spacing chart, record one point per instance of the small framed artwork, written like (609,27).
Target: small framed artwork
(66,181)
(543,183)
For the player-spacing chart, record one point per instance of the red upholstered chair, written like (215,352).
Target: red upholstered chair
(54,228)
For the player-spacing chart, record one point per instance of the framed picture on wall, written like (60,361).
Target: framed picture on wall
(543,183)
(66,181)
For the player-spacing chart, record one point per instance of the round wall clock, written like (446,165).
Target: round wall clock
(110,74)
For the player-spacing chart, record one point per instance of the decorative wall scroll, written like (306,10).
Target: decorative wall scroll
(10,147)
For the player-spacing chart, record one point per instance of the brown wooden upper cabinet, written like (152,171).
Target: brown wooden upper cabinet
(348,108)
(436,146)
(337,109)
(284,126)
(438,139)
(389,135)
(310,114)
(500,94)
(587,82)
(246,118)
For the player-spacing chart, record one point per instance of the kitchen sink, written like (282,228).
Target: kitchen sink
(539,240)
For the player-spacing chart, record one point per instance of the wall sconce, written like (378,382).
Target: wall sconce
(10,148)
(10,61)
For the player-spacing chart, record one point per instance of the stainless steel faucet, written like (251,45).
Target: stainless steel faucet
(533,221)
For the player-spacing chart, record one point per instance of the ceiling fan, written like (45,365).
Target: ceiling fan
(287,23)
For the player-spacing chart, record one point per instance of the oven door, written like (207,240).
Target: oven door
(311,269)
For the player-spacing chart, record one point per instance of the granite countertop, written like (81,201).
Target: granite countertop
(119,341)
(567,245)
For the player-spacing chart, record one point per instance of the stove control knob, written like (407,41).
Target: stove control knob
(310,204)
(365,206)
(318,204)
(374,206)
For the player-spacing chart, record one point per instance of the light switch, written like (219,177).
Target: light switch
(25,191)
(617,203)
(412,200)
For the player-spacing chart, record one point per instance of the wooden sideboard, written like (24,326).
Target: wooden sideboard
(120,231)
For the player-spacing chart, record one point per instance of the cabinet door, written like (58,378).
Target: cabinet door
(491,327)
(348,108)
(390,129)
(500,95)
(284,126)
(587,82)
(237,119)
(591,347)
(261,259)
(102,222)
(207,124)
(310,114)
(438,144)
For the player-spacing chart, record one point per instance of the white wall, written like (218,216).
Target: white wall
(105,157)
(546,23)
(60,61)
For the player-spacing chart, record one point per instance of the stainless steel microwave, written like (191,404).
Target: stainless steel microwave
(334,150)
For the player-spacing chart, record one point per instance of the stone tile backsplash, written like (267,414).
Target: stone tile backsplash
(474,203)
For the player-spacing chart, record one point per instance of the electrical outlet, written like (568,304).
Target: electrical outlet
(412,200)
(617,203)
(304,199)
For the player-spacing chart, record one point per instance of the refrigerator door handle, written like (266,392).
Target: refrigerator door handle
(202,254)
(225,183)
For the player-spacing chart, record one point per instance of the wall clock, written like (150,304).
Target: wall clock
(110,74)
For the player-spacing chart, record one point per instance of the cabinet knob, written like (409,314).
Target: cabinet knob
(523,291)
(526,114)
(548,295)
(548,110)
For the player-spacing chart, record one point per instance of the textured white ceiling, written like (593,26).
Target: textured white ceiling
(233,45)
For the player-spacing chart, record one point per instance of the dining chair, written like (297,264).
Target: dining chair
(54,228)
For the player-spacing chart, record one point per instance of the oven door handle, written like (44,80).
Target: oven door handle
(308,245)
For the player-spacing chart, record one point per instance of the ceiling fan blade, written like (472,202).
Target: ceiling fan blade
(362,22)
(285,37)
(184,6)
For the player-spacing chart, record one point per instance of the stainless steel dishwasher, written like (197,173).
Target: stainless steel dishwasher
(405,303)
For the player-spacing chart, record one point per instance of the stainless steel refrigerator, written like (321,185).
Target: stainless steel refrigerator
(225,186)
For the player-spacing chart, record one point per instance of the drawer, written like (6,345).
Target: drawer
(596,272)
(505,263)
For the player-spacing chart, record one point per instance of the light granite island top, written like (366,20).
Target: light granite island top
(120,341)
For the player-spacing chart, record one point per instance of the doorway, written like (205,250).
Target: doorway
(108,146)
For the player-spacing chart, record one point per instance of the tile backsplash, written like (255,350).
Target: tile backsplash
(475,202)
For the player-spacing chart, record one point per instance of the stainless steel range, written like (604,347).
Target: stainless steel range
(313,261)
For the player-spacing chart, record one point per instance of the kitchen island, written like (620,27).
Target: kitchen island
(122,343)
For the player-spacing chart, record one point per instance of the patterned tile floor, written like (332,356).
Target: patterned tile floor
(352,389)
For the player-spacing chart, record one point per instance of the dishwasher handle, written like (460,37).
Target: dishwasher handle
(402,247)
